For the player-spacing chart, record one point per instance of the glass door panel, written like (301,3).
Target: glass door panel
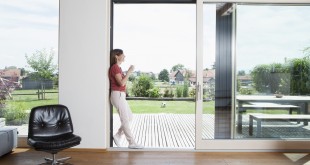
(252,68)
(272,71)
(208,71)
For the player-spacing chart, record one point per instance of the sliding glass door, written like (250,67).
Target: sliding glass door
(253,68)
(272,71)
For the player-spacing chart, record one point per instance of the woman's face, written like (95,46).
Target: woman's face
(120,58)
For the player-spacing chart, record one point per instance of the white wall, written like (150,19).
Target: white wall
(83,65)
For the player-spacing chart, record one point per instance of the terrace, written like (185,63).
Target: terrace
(178,130)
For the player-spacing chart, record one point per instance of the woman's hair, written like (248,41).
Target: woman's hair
(113,54)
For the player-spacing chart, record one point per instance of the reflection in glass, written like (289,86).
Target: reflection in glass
(272,72)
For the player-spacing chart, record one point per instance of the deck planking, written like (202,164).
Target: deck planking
(162,130)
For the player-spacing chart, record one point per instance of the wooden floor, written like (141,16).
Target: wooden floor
(30,157)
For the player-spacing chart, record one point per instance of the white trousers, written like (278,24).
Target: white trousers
(118,100)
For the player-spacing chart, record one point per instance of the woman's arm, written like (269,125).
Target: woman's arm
(122,81)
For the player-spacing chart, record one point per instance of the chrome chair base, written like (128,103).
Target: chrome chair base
(54,161)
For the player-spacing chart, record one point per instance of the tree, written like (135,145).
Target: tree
(306,51)
(270,77)
(131,78)
(11,67)
(41,63)
(300,77)
(177,67)
(241,73)
(163,75)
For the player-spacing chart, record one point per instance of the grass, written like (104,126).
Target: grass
(26,102)
(172,107)
(30,101)
(176,107)
(15,109)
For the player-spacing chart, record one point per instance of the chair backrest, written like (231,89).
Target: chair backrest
(49,122)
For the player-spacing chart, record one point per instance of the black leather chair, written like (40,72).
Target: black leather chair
(51,130)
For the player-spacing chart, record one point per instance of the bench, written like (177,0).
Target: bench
(273,117)
(267,105)
(263,106)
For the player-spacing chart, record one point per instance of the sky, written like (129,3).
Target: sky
(157,37)
(25,27)
(270,34)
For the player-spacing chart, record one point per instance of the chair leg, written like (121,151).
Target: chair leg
(55,161)
(62,160)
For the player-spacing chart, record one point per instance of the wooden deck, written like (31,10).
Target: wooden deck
(166,130)
(178,130)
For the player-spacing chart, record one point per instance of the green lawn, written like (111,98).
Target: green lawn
(173,107)
(26,102)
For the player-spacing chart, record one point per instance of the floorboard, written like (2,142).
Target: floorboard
(23,156)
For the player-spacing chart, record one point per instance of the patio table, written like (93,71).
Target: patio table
(285,100)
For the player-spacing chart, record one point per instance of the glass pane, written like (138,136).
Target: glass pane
(272,72)
(209,24)
(28,65)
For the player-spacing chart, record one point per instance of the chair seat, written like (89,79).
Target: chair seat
(53,146)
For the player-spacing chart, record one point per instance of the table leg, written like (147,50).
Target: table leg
(259,128)
(239,117)
(251,126)
(306,108)
(239,123)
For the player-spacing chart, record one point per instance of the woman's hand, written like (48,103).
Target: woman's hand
(131,69)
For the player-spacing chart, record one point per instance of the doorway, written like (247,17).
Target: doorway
(160,40)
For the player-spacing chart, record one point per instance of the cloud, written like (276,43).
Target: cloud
(269,34)
(27,26)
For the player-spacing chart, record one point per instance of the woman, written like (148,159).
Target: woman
(118,97)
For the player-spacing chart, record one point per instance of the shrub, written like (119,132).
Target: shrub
(179,91)
(291,77)
(15,114)
(141,86)
(154,92)
(168,93)
(192,93)
(300,76)
(185,89)
(246,91)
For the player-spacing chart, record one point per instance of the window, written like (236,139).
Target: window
(29,52)
(272,71)
(159,39)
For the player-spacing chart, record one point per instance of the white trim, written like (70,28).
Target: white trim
(199,68)
(107,64)
(233,72)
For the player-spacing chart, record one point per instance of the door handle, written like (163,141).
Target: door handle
(198,91)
